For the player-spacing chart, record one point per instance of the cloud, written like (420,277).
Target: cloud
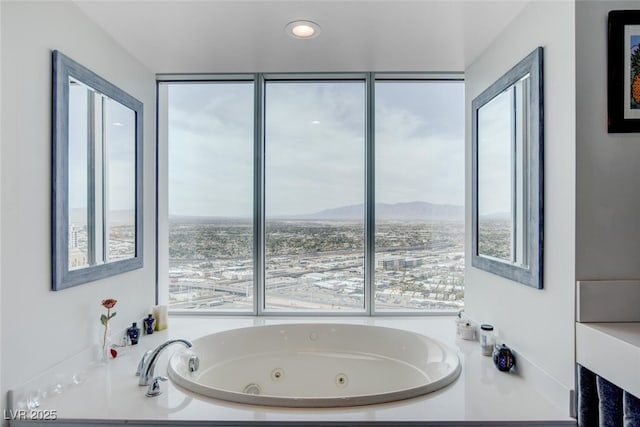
(420,142)
(211,149)
(315,146)
(494,156)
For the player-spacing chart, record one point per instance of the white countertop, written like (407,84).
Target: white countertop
(110,392)
(611,350)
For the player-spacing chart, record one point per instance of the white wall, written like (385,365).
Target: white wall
(40,327)
(607,165)
(538,324)
(1,405)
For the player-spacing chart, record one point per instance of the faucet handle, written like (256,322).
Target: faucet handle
(154,387)
(142,362)
(194,363)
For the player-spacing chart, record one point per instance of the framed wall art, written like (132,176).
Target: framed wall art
(623,91)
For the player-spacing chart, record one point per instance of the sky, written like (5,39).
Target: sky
(314,142)
(494,156)
(120,148)
(499,121)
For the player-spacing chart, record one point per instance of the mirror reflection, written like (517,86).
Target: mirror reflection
(97,177)
(502,167)
(507,176)
(101,178)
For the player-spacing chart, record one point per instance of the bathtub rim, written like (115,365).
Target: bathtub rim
(314,402)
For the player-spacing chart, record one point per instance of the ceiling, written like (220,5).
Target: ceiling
(211,36)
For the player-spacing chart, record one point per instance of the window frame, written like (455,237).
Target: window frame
(259,81)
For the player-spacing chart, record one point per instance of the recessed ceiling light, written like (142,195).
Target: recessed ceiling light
(302,29)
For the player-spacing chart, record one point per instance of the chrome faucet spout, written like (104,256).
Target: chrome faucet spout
(148,362)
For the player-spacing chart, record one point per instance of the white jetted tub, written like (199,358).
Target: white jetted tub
(315,365)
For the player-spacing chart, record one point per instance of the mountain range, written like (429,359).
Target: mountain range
(384,211)
(398,211)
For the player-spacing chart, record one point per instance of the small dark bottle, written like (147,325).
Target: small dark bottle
(133,333)
(149,324)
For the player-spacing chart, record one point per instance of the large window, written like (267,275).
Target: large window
(419,140)
(320,194)
(314,193)
(210,157)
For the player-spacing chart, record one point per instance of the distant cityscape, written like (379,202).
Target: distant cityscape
(312,264)
(121,244)
(494,237)
(316,264)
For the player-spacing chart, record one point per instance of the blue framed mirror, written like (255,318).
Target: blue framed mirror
(97,177)
(507,174)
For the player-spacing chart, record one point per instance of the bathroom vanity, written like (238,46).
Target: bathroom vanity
(615,327)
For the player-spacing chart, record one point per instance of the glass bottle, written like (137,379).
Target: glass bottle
(134,333)
(149,324)
(487,340)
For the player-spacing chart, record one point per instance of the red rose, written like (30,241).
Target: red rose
(109,303)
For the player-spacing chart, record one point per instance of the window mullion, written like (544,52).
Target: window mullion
(258,197)
(370,200)
(104,229)
(91,179)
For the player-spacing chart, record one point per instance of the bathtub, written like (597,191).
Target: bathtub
(315,365)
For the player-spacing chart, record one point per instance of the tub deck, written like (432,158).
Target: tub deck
(110,395)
